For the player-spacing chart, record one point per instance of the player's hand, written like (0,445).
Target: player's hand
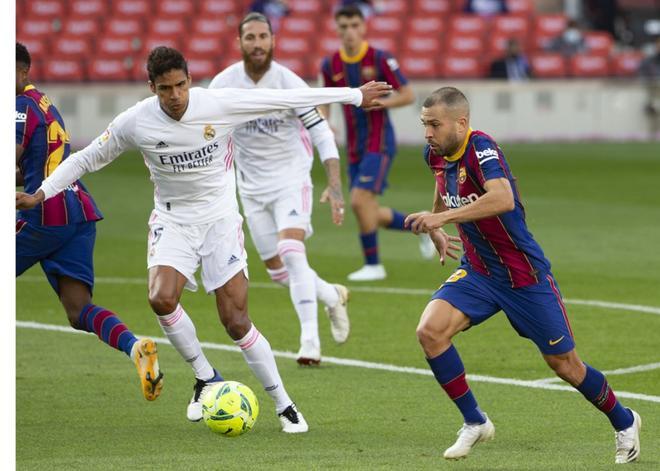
(375,105)
(333,196)
(28,201)
(424,222)
(444,244)
(371,91)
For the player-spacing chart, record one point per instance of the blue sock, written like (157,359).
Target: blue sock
(595,388)
(370,247)
(107,326)
(449,371)
(397,221)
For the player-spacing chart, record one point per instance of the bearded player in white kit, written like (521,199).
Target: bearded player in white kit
(184,135)
(273,162)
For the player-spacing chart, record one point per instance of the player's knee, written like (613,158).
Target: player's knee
(431,338)
(163,303)
(237,325)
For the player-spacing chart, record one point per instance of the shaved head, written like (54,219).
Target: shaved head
(451,98)
(446,120)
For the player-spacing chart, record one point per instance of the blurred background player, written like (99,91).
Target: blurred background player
(184,135)
(513,66)
(370,137)
(60,233)
(503,268)
(274,159)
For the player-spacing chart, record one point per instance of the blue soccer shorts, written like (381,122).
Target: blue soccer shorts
(61,250)
(370,173)
(537,312)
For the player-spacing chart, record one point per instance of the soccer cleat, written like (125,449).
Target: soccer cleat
(468,436)
(427,247)
(145,356)
(309,354)
(194,412)
(292,421)
(627,441)
(368,273)
(339,324)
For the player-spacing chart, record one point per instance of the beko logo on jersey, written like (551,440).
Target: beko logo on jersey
(21,117)
(189,160)
(486,153)
(452,201)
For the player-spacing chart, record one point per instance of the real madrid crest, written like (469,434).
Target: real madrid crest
(462,175)
(209,132)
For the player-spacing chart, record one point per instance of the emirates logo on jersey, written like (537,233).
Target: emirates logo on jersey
(209,132)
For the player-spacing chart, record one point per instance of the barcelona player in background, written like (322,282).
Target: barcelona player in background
(370,138)
(60,232)
(503,268)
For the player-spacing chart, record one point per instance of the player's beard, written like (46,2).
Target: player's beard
(450,147)
(255,68)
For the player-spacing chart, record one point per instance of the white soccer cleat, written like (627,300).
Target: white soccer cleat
(340,326)
(468,436)
(194,412)
(369,273)
(292,421)
(309,354)
(426,247)
(627,441)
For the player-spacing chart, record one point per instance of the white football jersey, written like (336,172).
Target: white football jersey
(273,151)
(190,160)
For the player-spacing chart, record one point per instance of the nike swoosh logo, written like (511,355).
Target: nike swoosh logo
(555,342)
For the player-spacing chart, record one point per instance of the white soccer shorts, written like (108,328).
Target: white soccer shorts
(217,246)
(269,214)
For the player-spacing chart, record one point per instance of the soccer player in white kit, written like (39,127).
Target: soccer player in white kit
(273,162)
(184,135)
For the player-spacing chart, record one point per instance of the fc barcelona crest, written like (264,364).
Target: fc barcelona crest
(462,175)
(209,132)
(368,73)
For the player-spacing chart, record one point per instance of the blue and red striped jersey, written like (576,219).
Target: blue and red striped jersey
(500,247)
(40,131)
(366,131)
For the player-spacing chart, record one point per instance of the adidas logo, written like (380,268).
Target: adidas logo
(161,145)
(293,213)
(232,259)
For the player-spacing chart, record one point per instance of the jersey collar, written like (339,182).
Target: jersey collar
(357,57)
(461,150)
(28,88)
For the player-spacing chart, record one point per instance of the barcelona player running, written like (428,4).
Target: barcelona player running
(370,137)
(503,268)
(60,233)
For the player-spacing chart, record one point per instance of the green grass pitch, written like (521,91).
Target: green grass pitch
(594,208)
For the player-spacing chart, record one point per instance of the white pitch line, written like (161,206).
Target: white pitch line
(365,364)
(618,371)
(380,290)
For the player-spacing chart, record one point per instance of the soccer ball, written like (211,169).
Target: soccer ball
(230,408)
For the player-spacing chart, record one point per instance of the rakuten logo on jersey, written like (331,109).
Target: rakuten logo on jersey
(452,201)
(487,153)
(21,117)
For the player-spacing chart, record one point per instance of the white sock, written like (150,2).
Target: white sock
(326,292)
(302,288)
(260,359)
(279,276)
(180,330)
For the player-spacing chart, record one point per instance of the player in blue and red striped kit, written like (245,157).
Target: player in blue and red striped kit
(60,232)
(503,268)
(370,139)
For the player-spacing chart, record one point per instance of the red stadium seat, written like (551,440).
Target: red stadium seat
(231,55)
(421,44)
(124,27)
(548,65)
(217,8)
(431,25)
(525,7)
(328,44)
(305,7)
(152,41)
(37,47)
(464,44)
(131,8)
(298,25)
(626,64)
(540,41)
(163,26)
(511,25)
(419,66)
(41,28)
(461,66)
(175,8)
(63,70)
(328,25)
(202,68)
(45,8)
(467,24)
(108,70)
(599,42)
(550,24)
(90,8)
(116,47)
(384,43)
(297,65)
(71,47)
(385,25)
(432,7)
(84,26)
(200,44)
(212,27)
(294,45)
(395,7)
(589,65)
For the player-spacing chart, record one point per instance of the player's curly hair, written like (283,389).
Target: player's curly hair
(22,55)
(162,59)
(254,16)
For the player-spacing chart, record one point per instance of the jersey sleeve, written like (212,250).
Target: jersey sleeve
(117,138)
(391,71)
(28,118)
(488,160)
